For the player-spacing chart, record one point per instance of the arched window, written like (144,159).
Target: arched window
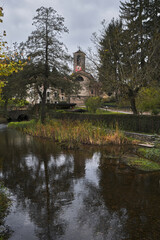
(78,60)
(79,79)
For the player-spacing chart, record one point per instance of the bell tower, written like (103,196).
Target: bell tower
(79,61)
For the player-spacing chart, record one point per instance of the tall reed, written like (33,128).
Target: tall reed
(73,132)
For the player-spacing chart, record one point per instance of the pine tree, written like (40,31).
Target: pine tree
(152,24)
(142,21)
(134,14)
(110,54)
(128,50)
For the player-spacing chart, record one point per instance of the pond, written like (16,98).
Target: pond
(83,194)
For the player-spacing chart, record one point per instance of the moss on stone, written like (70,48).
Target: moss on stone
(142,164)
(150,153)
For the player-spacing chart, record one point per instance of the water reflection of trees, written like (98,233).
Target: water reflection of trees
(103,223)
(95,216)
(139,194)
(125,205)
(120,204)
(40,178)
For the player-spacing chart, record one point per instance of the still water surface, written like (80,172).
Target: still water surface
(85,194)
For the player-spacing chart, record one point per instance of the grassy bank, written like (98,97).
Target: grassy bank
(72,133)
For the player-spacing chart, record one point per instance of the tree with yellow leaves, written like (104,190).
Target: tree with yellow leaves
(8,65)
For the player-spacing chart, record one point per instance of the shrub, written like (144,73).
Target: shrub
(148,100)
(93,103)
(127,122)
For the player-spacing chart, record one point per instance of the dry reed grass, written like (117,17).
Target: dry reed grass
(73,133)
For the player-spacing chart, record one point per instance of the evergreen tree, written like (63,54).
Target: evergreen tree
(134,14)
(128,51)
(152,24)
(142,19)
(120,70)
(109,52)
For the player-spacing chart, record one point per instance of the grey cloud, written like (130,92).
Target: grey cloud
(82,17)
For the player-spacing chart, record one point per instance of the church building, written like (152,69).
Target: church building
(86,80)
(88,86)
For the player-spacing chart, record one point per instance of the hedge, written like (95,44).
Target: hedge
(126,122)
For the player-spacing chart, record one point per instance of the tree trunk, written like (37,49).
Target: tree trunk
(133,105)
(43,106)
(68,99)
(5,107)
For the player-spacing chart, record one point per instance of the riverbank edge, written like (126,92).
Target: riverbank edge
(3,120)
(36,129)
(75,132)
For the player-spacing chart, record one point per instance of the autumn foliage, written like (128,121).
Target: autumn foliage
(8,65)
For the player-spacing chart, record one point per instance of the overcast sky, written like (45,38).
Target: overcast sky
(82,17)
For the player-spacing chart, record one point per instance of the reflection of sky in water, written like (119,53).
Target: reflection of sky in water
(31,161)
(3,126)
(74,195)
(92,167)
(59,160)
(20,221)
(87,215)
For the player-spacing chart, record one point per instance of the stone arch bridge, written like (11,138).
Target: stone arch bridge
(18,115)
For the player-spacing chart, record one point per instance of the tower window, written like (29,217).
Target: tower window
(78,60)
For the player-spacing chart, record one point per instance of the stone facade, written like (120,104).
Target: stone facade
(79,61)
(86,80)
